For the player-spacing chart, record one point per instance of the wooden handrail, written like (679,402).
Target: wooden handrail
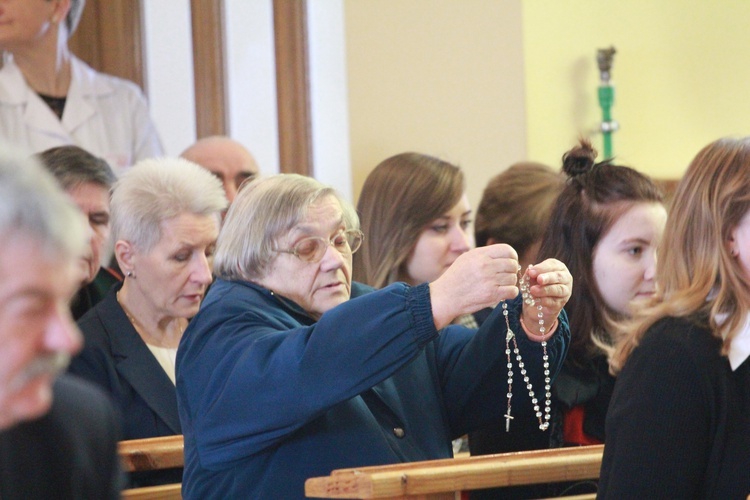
(163,492)
(442,478)
(152,453)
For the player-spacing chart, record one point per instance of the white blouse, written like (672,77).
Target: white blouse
(167,357)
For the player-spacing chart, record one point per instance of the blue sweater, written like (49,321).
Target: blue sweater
(268,397)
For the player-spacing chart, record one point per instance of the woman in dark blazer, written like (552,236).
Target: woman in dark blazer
(165,219)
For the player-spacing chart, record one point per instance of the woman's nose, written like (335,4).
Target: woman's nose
(461,241)
(332,259)
(203,271)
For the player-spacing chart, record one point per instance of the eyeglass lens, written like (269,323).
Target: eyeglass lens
(313,249)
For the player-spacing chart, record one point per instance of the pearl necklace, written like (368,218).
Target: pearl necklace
(511,337)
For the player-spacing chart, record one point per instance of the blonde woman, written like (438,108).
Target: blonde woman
(678,424)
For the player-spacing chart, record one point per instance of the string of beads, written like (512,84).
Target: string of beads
(510,337)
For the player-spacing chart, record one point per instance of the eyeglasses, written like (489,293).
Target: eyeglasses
(313,249)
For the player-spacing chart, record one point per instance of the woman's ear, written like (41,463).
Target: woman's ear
(62,7)
(125,254)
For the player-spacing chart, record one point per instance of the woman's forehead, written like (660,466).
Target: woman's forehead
(322,215)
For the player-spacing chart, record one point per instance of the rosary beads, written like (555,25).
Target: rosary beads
(543,418)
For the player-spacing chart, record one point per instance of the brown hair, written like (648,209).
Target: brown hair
(516,204)
(400,197)
(595,196)
(697,273)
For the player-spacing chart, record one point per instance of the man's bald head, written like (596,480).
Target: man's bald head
(226,158)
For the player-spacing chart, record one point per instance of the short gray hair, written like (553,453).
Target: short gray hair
(158,189)
(73,166)
(32,203)
(263,212)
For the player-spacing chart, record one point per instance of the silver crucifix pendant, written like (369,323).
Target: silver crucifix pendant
(508,418)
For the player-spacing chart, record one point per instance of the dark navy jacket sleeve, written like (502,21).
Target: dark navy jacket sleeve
(250,373)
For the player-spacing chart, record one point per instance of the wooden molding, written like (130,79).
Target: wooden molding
(293,86)
(110,39)
(209,67)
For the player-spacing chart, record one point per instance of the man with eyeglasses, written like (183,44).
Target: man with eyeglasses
(291,370)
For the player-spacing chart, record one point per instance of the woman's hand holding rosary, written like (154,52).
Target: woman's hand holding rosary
(545,289)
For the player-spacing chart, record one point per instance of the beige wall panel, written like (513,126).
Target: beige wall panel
(443,77)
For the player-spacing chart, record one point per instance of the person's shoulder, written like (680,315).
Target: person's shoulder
(674,340)
(228,292)
(83,411)
(93,81)
(92,323)
(690,332)
(359,289)
(71,451)
(72,393)
(235,299)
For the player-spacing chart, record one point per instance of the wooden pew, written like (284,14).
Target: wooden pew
(444,479)
(152,454)
(163,492)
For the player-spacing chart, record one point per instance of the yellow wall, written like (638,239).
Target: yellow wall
(681,76)
(443,77)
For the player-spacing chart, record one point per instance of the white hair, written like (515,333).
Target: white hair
(158,189)
(264,211)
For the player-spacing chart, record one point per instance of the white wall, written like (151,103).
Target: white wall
(251,79)
(251,82)
(329,95)
(169,72)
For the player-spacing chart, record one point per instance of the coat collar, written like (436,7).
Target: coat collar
(85,84)
(357,290)
(135,362)
(739,349)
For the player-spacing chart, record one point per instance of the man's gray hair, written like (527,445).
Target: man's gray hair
(33,204)
(263,212)
(158,189)
(73,166)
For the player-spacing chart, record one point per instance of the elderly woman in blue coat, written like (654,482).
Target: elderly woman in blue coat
(290,370)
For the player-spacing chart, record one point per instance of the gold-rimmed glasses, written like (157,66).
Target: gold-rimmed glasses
(313,248)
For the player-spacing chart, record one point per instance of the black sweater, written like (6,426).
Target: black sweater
(678,425)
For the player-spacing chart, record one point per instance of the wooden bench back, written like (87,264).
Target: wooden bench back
(443,478)
(152,454)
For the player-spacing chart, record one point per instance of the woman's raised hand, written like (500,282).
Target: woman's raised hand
(550,286)
(479,278)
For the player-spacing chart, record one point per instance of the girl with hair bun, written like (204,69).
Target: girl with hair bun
(605,226)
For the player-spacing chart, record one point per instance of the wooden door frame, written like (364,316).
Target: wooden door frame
(293,86)
(110,38)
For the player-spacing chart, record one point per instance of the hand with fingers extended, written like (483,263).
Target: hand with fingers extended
(546,287)
(479,278)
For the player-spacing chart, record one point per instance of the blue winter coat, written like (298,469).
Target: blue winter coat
(269,397)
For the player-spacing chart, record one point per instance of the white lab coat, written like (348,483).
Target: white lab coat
(105,115)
